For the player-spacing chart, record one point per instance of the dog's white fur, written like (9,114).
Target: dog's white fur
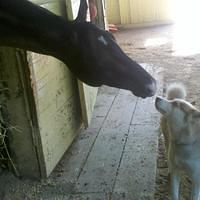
(180,123)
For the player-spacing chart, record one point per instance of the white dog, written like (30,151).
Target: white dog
(180,125)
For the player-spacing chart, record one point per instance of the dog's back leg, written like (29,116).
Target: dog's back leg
(196,190)
(165,131)
(175,184)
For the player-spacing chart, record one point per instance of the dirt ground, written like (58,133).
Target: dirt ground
(156,46)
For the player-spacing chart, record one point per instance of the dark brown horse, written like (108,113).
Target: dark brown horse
(90,53)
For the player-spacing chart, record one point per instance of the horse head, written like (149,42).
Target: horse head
(91,53)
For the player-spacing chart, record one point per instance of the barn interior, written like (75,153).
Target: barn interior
(67,140)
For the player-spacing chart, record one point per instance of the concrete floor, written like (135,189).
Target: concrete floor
(115,158)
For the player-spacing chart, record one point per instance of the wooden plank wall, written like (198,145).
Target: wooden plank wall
(57,102)
(43,106)
(138,11)
(113,11)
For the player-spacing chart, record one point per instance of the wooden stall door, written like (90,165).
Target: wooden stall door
(57,102)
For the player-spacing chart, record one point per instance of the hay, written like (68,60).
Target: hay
(5,128)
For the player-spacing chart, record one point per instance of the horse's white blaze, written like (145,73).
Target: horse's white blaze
(103,40)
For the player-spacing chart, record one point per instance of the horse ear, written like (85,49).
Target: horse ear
(82,13)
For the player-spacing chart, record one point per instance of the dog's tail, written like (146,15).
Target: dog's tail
(176,90)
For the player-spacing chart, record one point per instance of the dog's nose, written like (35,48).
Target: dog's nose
(158,99)
(157,102)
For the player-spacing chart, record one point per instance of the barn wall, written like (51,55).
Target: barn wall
(43,107)
(58,107)
(43,102)
(113,11)
(138,11)
(57,103)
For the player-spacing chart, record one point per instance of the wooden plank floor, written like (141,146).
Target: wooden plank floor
(115,158)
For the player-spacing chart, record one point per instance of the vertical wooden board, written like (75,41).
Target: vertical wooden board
(148,10)
(164,9)
(74,6)
(58,109)
(124,7)
(140,11)
(57,102)
(113,11)
(88,98)
(135,14)
(105,21)
(100,19)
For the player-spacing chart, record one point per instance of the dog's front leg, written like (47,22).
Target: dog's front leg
(196,190)
(175,183)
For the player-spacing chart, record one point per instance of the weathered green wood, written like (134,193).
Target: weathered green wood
(88,98)
(57,103)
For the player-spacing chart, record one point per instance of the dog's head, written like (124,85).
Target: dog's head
(182,117)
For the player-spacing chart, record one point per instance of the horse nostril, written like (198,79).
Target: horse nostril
(151,89)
